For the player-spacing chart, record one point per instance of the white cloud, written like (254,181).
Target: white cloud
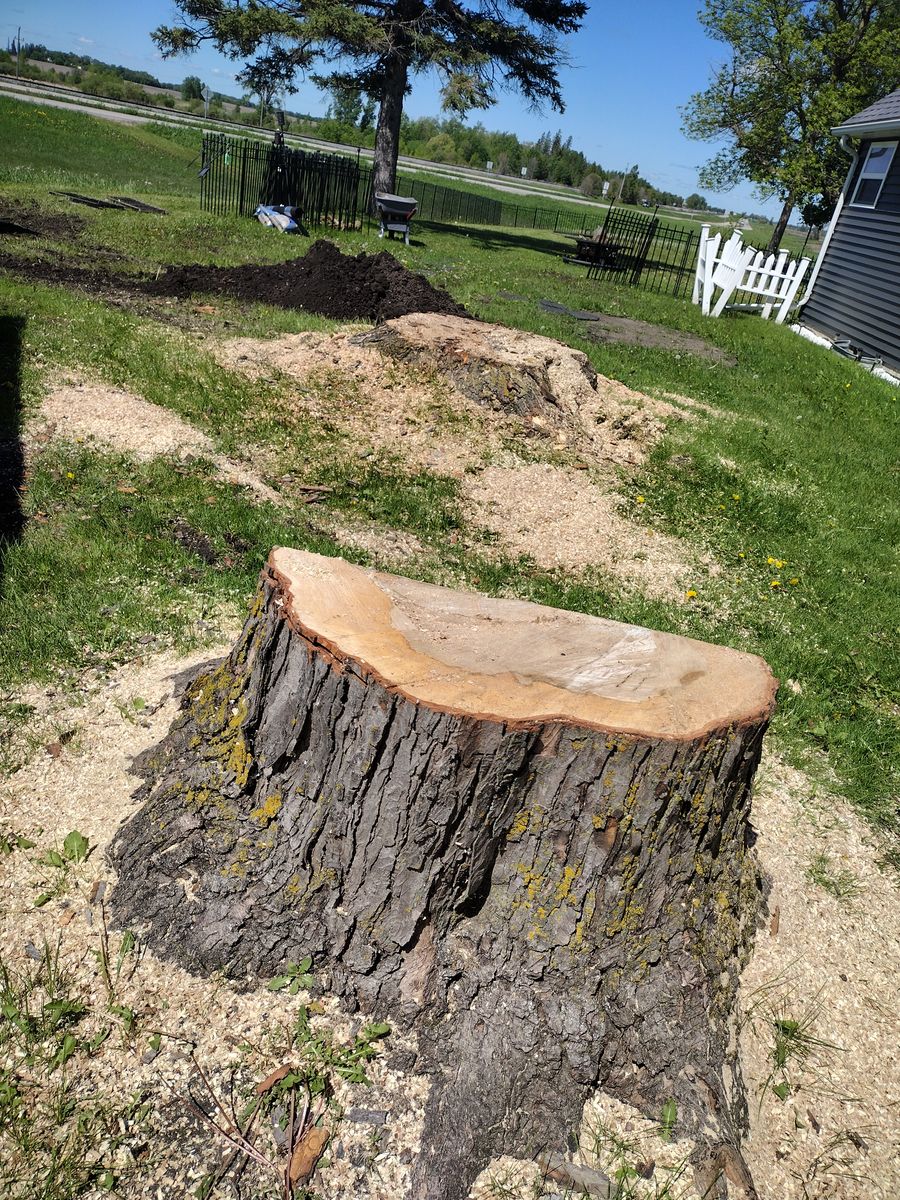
(86,41)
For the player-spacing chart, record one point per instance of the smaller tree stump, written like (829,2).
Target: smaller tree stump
(521,833)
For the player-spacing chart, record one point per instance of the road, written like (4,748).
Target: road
(58,96)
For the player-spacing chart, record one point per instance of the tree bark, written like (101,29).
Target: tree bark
(520,833)
(387,132)
(778,231)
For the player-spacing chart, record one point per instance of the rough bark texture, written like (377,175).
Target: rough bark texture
(780,226)
(552,906)
(387,130)
(481,363)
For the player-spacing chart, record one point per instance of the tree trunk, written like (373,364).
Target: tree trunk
(519,833)
(778,231)
(387,133)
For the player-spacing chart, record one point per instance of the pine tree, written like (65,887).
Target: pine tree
(382,44)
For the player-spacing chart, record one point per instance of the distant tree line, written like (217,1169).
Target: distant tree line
(350,119)
(62,58)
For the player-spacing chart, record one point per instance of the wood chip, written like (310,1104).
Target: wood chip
(307,1153)
(270,1080)
(775,922)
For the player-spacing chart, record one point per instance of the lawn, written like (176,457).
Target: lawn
(791,493)
(786,481)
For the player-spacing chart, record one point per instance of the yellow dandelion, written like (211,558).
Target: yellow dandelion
(741,554)
(70,474)
(735,497)
(775,583)
(793,582)
(771,561)
(640,499)
(690,594)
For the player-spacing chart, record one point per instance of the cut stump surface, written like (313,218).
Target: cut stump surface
(520,832)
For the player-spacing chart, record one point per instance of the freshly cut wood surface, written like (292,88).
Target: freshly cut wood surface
(519,662)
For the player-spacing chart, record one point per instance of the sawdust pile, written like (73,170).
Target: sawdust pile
(483,403)
(520,504)
(117,420)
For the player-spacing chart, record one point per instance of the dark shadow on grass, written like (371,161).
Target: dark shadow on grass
(12,455)
(497,239)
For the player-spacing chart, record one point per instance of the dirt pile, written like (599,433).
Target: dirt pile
(369,287)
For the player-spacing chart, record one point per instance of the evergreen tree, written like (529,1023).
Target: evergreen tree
(380,45)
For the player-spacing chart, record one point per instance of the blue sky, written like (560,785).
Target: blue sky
(631,68)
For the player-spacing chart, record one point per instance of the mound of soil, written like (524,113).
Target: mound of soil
(370,287)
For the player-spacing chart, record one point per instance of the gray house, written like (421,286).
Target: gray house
(854,294)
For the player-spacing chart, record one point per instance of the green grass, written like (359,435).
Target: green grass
(48,147)
(796,465)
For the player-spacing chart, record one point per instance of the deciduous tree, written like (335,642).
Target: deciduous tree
(378,46)
(795,69)
(191,87)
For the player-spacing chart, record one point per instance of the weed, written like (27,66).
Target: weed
(626,1159)
(793,1042)
(74,851)
(57,1141)
(296,1099)
(295,977)
(841,884)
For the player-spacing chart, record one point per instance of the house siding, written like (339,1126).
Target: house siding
(857,292)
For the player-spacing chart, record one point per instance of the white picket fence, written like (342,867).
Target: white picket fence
(724,269)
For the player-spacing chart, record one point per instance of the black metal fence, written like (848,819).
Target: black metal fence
(450,205)
(237,175)
(643,251)
(335,191)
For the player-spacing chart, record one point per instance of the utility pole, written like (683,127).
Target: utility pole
(18,49)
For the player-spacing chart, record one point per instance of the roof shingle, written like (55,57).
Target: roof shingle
(886,111)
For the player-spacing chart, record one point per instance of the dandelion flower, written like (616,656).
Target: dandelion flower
(70,474)
(690,594)
(774,583)
(793,582)
(640,499)
(735,497)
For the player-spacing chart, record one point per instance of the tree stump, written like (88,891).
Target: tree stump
(518,832)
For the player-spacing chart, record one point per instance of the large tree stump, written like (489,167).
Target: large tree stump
(519,832)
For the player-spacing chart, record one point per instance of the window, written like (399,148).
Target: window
(873,174)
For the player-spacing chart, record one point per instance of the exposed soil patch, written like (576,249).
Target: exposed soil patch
(371,287)
(627,331)
(24,220)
